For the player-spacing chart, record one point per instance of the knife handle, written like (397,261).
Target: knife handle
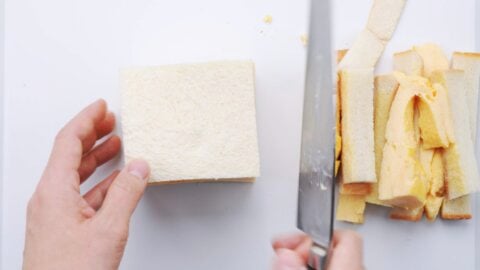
(317,258)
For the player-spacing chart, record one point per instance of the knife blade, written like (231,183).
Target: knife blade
(316,177)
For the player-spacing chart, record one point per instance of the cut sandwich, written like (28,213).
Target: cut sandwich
(434,121)
(470,64)
(192,122)
(385,90)
(402,184)
(338,116)
(436,179)
(461,169)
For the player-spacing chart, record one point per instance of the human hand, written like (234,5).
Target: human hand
(292,252)
(66,230)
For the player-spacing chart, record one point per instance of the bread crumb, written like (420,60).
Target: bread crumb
(304,40)
(268,19)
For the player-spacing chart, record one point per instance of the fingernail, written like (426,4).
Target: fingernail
(139,168)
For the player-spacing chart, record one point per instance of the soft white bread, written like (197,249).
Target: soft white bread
(461,168)
(358,157)
(433,58)
(408,62)
(470,63)
(459,208)
(384,16)
(192,122)
(364,53)
(351,208)
(385,90)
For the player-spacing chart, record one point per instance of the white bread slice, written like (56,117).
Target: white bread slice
(385,90)
(402,183)
(408,62)
(433,58)
(461,168)
(384,16)
(364,53)
(406,214)
(351,208)
(358,157)
(470,63)
(459,208)
(436,186)
(192,122)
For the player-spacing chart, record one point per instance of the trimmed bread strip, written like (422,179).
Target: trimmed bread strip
(351,208)
(385,90)
(364,53)
(406,215)
(192,122)
(459,208)
(384,16)
(470,64)
(461,168)
(358,157)
(355,188)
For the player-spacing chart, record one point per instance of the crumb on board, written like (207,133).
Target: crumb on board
(304,40)
(268,19)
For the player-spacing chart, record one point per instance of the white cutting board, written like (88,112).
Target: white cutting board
(61,55)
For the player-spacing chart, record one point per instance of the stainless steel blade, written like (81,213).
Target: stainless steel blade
(316,178)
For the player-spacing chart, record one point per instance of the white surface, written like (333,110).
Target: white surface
(60,55)
(1,118)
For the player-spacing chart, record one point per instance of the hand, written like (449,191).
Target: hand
(66,230)
(292,252)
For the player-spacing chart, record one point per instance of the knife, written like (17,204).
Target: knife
(316,177)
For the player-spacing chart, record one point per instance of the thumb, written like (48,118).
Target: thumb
(125,192)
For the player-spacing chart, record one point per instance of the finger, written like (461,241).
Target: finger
(346,244)
(102,129)
(98,156)
(124,193)
(68,148)
(303,249)
(289,241)
(287,259)
(96,195)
